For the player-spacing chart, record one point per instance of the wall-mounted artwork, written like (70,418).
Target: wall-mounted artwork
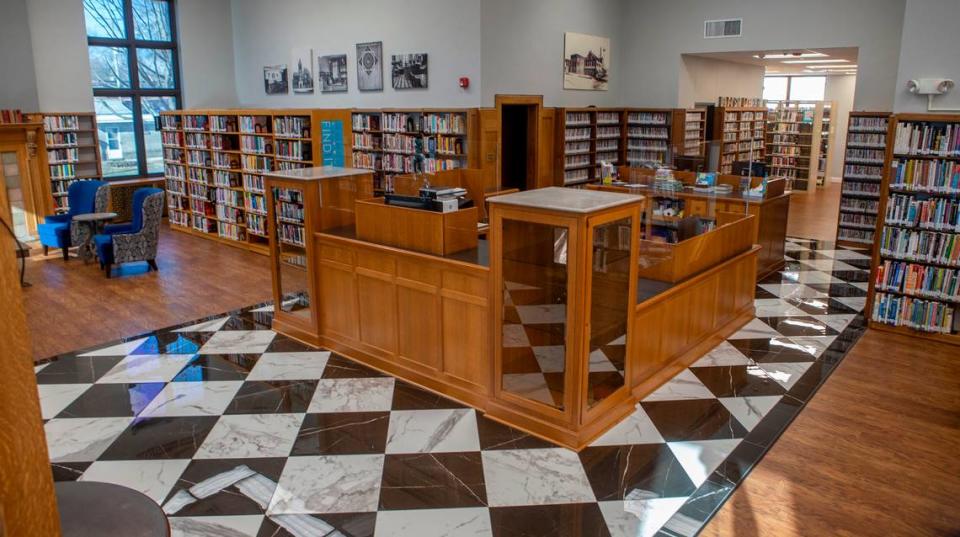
(370,66)
(275,79)
(586,62)
(302,65)
(333,73)
(409,71)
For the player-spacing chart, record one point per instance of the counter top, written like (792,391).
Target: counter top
(317,173)
(475,256)
(568,200)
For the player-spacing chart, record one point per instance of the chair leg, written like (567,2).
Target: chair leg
(153,264)
(46,249)
(66,253)
(108,269)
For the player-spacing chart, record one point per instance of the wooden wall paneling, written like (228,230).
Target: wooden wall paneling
(421,335)
(377,301)
(473,138)
(336,287)
(489,145)
(547,147)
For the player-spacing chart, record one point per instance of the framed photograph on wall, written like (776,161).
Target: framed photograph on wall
(332,71)
(409,71)
(370,66)
(302,66)
(586,62)
(275,79)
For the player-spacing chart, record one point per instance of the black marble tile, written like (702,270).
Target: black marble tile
(167,342)
(765,433)
(217,367)
(820,306)
(773,277)
(839,289)
(651,470)
(409,397)
(772,350)
(160,438)
(737,381)
(738,464)
(339,367)
(68,471)
(852,275)
(799,326)
(433,481)
(342,433)
(564,520)
(112,400)
(229,501)
(282,343)
(272,397)
(698,509)
(495,435)
(345,524)
(77,369)
(811,254)
(693,419)
(862,264)
(241,323)
(762,293)
(617,354)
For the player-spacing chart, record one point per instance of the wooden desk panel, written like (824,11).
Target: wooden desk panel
(416,229)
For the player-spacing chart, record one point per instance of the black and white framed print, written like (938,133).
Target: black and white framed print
(275,79)
(586,62)
(370,66)
(302,65)
(332,70)
(409,71)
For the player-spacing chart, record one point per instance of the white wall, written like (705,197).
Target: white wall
(523,48)
(931,49)
(59,39)
(659,31)
(18,86)
(206,54)
(840,90)
(705,79)
(448,31)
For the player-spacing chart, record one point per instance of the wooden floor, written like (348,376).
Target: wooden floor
(813,215)
(876,452)
(73,306)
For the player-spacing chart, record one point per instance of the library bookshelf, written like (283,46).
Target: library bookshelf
(584,137)
(72,151)
(651,134)
(694,132)
(825,158)
(864,167)
(914,287)
(741,132)
(797,135)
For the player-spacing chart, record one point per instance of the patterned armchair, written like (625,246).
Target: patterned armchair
(138,240)
(59,230)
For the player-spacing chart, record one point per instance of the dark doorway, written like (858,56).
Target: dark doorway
(518,151)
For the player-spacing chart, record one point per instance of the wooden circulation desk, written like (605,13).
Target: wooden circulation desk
(561,272)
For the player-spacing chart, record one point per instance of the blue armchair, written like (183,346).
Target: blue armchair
(59,230)
(136,241)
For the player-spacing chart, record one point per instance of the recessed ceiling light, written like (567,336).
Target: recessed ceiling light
(838,60)
(789,55)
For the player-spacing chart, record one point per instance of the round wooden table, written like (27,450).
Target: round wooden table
(93,221)
(90,509)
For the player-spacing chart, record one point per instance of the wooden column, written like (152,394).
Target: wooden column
(27,502)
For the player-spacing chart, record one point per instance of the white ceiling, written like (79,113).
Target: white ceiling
(775,66)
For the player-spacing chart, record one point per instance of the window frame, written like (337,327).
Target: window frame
(130,43)
(790,78)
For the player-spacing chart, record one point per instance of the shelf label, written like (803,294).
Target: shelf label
(331,142)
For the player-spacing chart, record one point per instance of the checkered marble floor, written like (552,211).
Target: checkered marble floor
(238,431)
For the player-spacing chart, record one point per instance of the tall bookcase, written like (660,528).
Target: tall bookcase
(742,133)
(863,172)
(797,134)
(72,152)
(694,132)
(650,134)
(916,262)
(826,142)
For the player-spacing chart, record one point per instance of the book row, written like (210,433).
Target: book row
(866,156)
(858,205)
(937,214)
(858,220)
(290,234)
(657,133)
(60,138)
(647,118)
(863,171)
(577,118)
(63,171)
(923,138)
(936,176)
(878,141)
(61,123)
(923,246)
(922,281)
(63,155)
(194,122)
(855,235)
(867,124)
(291,126)
(915,313)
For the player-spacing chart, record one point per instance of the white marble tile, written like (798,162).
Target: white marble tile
(755,329)
(56,397)
(530,385)
(622,340)
(776,307)
(329,484)
(844,254)
(813,345)
(463,521)
(838,322)
(373,394)
(41,367)
(639,518)
(433,431)
(786,374)
(599,363)
(305,525)
(685,385)
(809,276)
(251,435)
(750,410)
(550,358)
(858,303)
(723,354)
(121,349)
(146,368)
(828,265)
(861,285)
(542,314)
(82,439)
(238,342)
(700,458)
(515,336)
(216,526)
(154,478)
(269,307)
(289,366)
(637,428)
(205,326)
(209,398)
(792,290)
(535,477)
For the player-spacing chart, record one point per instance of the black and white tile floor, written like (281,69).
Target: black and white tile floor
(238,431)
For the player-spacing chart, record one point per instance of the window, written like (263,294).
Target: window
(136,75)
(794,88)
(775,88)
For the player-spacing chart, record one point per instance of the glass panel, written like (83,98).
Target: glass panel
(534,346)
(14,185)
(104,18)
(109,67)
(118,147)
(156,68)
(775,88)
(151,108)
(151,20)
(294,292)
(609,303)
(807,88)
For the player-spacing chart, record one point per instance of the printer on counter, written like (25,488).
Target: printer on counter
(442,199)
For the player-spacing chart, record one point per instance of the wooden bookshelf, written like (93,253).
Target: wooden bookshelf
(863,171)
(650,135)
(694,132)
(825,157)
(914,286)
(576,145)
(741,132)
(72,151)
(795,141)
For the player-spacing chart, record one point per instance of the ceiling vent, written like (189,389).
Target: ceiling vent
(722,28)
